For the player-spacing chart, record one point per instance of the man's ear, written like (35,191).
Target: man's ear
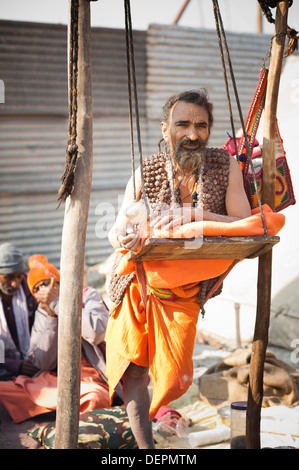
(164,128)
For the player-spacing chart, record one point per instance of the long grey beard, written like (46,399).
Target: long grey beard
(190,161)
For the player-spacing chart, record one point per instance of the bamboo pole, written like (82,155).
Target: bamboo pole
(180,13)
(259,19)
(260,340)
(73,247)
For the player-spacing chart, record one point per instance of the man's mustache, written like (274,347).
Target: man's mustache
(186,141)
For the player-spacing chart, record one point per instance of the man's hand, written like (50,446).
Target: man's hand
(175,217)
(129,238)
(27,368)
(46,294)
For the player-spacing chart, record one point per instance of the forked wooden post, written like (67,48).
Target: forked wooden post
(260,340)
(73,244)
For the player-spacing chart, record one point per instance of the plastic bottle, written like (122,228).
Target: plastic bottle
(238,425)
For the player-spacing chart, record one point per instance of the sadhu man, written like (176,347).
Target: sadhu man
(189,179)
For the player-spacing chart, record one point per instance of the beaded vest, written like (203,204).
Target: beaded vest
(158,190)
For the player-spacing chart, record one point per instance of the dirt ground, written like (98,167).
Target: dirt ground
(15,436)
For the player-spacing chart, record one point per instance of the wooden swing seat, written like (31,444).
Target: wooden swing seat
(208,248)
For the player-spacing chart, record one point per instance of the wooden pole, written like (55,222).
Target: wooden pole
(180,13)
(259,19)
(237,323)
(260,340)
(73,247)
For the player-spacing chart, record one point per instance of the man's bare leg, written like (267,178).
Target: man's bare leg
(137,401)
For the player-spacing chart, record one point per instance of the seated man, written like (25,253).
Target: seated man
(27,397)
(156,332)
(17,312)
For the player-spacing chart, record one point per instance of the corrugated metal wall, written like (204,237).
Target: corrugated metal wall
(33,119)
(180,58)
(33,134)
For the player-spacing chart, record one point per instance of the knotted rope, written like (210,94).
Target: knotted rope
(68,177)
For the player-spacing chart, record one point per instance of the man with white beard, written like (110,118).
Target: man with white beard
(17,312)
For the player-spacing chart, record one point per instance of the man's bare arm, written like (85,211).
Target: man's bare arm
(122,233)
(237,204)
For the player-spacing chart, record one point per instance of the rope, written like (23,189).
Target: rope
(131,68)
(220,31)
(226,85)
(68,177)
(293,37)
(130,100)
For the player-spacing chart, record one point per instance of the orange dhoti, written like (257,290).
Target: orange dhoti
(161,338)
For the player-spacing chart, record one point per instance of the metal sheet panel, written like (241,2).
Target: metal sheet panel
(31,165)
(180,58)
(33,133)
(33,68)
(33,153)
(33,60)
(34,224)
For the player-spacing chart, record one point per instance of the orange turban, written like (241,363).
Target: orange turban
(40,273)
(37,260)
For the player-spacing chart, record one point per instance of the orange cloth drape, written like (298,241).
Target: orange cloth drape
(163,337)
(25,397)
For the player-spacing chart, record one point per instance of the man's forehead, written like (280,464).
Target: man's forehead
(11,275)
(184,111)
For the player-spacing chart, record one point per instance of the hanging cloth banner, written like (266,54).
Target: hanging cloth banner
(284,194)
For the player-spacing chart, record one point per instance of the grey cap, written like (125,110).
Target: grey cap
(11,259)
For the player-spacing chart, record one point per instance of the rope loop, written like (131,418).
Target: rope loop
(68,177)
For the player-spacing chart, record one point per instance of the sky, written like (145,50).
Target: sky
(237,15)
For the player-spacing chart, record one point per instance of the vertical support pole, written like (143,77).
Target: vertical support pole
(73,249)
(259,19)
(260,340)
(237,322)
(180,13)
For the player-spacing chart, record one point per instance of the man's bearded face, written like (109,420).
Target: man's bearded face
(8,290)
(186,133)
(10,283)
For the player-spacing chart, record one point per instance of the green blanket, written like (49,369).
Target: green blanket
(106,428)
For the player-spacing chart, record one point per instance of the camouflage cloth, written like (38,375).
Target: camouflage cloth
(106,428)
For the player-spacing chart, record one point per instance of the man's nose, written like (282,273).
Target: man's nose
(192,134)
(14,282)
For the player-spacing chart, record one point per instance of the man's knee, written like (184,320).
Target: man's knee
(136,372)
